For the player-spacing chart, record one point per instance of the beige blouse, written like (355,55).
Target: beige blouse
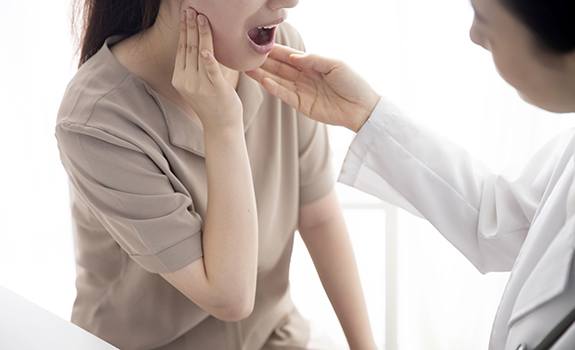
(138,192)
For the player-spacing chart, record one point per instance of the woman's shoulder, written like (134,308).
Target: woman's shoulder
(106,95)
(100,100)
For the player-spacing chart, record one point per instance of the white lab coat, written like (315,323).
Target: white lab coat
(527,225)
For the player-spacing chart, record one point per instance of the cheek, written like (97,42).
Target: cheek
(528,77)
(226,45)
(512,63)
(231,45)
(506,69)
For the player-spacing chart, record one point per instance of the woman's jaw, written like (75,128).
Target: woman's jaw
(246,48)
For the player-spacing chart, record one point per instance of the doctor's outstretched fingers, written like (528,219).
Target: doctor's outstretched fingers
(324,89)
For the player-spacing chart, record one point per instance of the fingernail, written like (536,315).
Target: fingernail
(201,20)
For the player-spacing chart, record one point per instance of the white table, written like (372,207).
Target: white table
(26,326)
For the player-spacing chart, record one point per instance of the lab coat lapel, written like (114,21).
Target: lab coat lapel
(544,255)
(548,221)
(550,277)
(541,274)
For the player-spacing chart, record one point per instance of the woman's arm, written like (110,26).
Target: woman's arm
(323,230)
(223,281)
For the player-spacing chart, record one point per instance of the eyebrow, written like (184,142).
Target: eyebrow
(478,15)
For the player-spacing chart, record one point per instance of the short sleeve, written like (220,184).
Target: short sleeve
(132,198)
(316,178)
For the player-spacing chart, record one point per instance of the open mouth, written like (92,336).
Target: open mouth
(262,36)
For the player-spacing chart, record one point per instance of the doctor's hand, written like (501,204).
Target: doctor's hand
(324,89)
(198,77)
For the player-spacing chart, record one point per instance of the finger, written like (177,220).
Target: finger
(316,63)
(282,53)
(257,74)
(281,69)
(180,63)
(282,92)
(192,41)
(283,89)
(206,43)
(261,74)
(211,68)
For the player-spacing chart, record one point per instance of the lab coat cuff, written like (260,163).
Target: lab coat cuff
(364,141)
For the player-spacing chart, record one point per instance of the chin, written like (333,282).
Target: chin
(559,108)
(243,64)
(240,59)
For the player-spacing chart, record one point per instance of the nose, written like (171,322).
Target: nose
(476,38)
(282,4)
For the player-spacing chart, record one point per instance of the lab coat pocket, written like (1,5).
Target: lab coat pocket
(550,277)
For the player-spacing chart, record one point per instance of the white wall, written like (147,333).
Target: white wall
(36,259)
(418,53)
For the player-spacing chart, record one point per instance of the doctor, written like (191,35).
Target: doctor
(525,226)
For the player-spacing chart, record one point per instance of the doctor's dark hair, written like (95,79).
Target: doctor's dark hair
(100,19)
(551,21)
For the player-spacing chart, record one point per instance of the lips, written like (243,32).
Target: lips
(262,37)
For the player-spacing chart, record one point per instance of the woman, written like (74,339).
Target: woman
(187,182)
(526,226)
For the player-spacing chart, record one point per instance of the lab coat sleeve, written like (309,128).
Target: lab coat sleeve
(482,214)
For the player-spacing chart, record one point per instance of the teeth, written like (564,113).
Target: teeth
(268,27)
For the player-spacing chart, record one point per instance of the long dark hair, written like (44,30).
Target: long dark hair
(103,18)
(552,21)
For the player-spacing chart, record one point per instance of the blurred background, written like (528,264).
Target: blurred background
(421,293)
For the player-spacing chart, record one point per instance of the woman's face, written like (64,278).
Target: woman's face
(542,78)
(240,42)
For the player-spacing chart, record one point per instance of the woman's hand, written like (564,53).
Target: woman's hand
(223,282)
(324,89)
(198,76)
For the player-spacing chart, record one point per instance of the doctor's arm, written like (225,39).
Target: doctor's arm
(484,215)
(323,230)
